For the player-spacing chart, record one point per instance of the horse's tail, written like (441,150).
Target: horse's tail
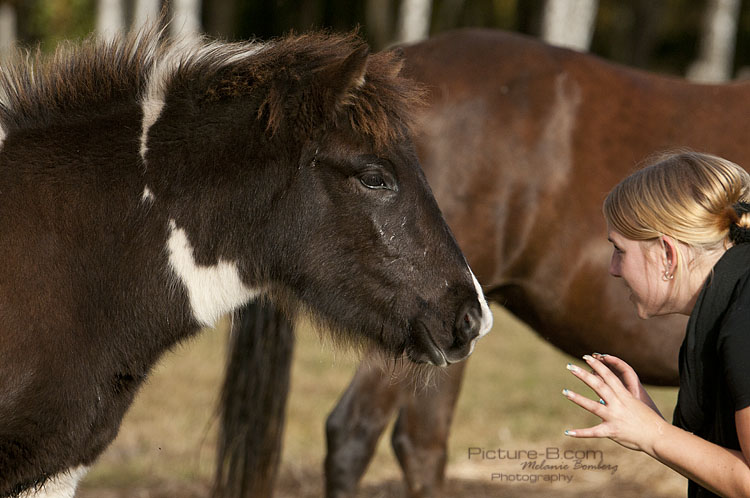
(253,401)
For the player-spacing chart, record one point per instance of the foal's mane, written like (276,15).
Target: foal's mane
(38,89)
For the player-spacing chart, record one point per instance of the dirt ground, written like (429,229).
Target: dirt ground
(308,484)
(637,477)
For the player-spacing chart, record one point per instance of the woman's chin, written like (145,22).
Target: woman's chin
(642,312)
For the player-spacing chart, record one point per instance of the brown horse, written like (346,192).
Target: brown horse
(148,187)
(520,144)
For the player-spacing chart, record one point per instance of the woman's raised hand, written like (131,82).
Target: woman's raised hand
(626,418)
(629,378)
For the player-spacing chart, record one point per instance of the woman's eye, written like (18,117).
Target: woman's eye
(373,180)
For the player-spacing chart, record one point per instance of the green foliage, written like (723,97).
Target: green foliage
(47,22)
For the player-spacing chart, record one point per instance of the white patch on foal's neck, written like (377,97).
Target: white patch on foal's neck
(213,290)
(62,485)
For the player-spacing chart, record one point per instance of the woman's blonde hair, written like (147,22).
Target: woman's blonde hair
(687,195)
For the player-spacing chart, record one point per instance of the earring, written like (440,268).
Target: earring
(667,276)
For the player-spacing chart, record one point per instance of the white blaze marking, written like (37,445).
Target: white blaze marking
(213,290)
(62,485)
(486,323)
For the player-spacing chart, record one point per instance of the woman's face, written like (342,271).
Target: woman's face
(641,265)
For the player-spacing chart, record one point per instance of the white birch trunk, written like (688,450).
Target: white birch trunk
(109,18)
(186,21)
(716,54)
(414,20)
(569,23)
(8,23)
(146,11)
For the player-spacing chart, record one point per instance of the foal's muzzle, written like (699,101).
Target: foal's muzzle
(440,347)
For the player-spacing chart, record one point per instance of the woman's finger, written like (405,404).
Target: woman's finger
(604,372)
(617,365)
(594,381)
(594,407)
(598,431)
(628,377)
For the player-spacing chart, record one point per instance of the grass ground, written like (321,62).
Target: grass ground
(511,400)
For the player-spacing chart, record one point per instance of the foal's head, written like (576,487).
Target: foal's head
(372,254)
(310,137)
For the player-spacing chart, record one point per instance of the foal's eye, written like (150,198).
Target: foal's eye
(373,180)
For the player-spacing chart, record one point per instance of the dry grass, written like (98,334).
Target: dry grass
(511,400)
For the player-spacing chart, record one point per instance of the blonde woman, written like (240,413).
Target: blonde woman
(681,235)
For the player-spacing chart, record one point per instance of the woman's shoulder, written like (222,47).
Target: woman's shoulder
(734,264)
(733,281)
(729,280)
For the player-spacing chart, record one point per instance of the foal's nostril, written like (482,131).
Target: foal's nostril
(468,322)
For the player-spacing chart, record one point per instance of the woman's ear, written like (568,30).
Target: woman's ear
(670,253)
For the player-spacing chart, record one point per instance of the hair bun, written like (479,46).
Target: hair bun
(738,233)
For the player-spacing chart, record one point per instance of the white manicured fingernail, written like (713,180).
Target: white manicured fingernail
(572,367)
(587,357)
(566,393)
(570,433)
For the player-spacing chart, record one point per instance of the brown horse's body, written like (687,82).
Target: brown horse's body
(520,144)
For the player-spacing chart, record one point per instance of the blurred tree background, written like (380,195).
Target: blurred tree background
(658,35)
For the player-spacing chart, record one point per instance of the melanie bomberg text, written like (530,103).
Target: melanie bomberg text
(547,459)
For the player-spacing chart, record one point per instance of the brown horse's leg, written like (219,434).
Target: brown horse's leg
(420,435)
(354,427)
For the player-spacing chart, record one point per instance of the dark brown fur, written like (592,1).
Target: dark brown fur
(77,80)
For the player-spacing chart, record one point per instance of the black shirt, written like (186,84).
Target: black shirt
(715,356)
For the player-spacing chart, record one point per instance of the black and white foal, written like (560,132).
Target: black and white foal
(149,187)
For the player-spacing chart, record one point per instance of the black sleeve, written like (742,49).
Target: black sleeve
(734,345)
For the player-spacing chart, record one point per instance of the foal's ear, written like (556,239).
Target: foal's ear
(398,58)
(344,75)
